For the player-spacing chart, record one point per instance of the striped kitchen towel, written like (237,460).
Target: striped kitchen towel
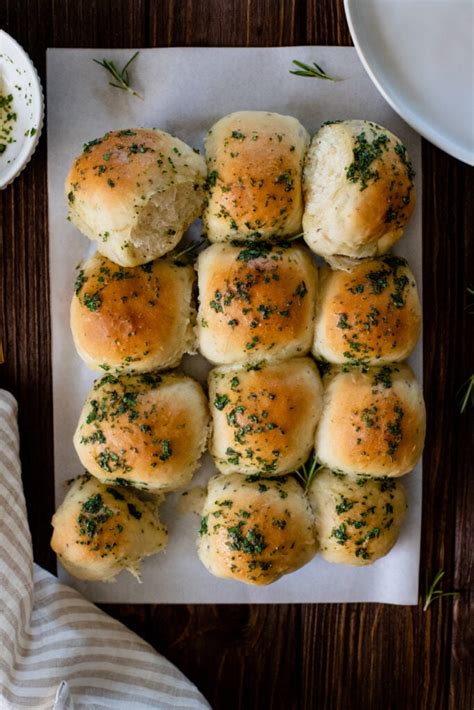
(57,650)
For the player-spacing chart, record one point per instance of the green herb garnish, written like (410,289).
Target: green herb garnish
(468,396)
(340,534)
(308,471)
(121,79)
(365,153)
(433,593)
(254,251)
(252,543)
(166,450)
(203,527)
(314,71)
(220,401)
(468,385)
(92,301)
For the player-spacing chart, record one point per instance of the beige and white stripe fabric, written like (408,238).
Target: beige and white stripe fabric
(57,650)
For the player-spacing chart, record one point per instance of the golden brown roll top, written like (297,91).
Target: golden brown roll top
(132,319)
(372,423)
(135,192)
(255,161)
(255,530)
(369,316)
(256,302)
(144,430)
(100,530)
(264,419)
(359,191)
(356,522)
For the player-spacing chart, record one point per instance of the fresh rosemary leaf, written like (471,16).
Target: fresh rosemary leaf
(433,593)
(468,395)
(308,471)
(191,250)
(314,71)
(121,78)
(467,388)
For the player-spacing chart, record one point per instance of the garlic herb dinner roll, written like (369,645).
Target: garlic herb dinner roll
(255,162)
(359,191)
(357,522)
(146,430)
(254,529)
(132,319)
(256,302)
(100,530)
(135,192)
(369,316)
(264,418)
(372,423)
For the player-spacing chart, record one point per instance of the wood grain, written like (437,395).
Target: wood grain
(284,656)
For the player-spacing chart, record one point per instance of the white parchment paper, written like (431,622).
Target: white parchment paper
(185,91)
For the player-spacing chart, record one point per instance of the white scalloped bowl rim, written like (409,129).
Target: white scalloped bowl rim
(17,72)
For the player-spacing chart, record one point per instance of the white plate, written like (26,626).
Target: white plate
(18,77)
(419,54)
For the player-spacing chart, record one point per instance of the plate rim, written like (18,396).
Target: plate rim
(19,164)
(413,118)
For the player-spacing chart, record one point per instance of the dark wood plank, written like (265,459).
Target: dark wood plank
(284,656)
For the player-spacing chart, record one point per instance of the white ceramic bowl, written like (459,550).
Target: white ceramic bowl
(18,77)
(419,54)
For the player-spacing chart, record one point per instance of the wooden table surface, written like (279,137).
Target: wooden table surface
(282,656)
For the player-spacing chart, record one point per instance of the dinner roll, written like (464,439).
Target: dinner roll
(100,530)
(256,302)
(255,530)
(357,522)
(264,419)
(144,430)
(369,316)
(132,319)
(255,161)
(359,191)
(135,192)
(373,423)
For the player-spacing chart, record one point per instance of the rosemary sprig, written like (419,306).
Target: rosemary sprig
(307,472)
(468,385)
(306,70)
(120,76)
(192,250)
(468,396)
(433,594)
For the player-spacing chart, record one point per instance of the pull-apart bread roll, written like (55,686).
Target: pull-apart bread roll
(135,192)
(357,522)
(100,530)
(255,162)
(373,423)
(146,431)
(359,191)
(255,530)
(264,419)
(132,319)
(256,302)
(369,316)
